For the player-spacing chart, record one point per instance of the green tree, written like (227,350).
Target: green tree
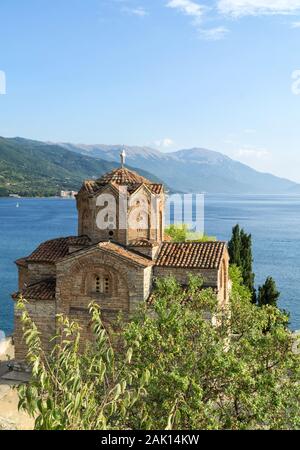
(240,253)
(204,368)
(202,379)
(268,293)
(75,390)
(178,233)
(182,233)
(234,246)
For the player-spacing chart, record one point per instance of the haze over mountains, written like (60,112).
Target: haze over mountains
(194,170)
(34,168)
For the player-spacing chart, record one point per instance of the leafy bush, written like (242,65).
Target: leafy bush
(182,233)
(173,369)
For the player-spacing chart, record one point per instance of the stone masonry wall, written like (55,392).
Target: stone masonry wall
(43,315)
(210,277)
(88,211)
(74,291)
(24,277)
(223,281)
(40,271)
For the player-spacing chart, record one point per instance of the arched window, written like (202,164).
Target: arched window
(106,285)
(101,284)
(97,284)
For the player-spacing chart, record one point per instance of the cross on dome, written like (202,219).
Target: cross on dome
(123,157)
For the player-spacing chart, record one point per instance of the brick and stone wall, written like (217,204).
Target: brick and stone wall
(38,272)
(223,281)
(43,315)
(210,276)
(214,278)
(129,285)
(122,233)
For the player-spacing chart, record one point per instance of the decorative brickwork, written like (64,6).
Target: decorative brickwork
(114,267)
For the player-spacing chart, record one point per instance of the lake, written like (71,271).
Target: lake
(274,222)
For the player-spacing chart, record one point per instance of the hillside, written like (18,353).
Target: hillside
(32,168)
(195,170)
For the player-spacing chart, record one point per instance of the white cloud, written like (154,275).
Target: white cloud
(251,152)
(187,7)
(197,12)
(231,8)
(141,12)
(239,8)
(213,34)
(138,11)
(164,143)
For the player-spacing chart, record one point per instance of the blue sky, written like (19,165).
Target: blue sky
(165,73)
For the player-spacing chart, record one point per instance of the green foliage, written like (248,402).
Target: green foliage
(174,369)
(182,233)
(240,253)
(268,293)
(32,169)
(234,246)
(238,288)
(73,390)
(202,379)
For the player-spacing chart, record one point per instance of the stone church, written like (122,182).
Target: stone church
(119,250)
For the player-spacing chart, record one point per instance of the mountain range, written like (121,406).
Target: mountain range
(194,170)
(34,168)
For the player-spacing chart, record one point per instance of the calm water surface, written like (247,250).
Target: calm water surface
(274,222)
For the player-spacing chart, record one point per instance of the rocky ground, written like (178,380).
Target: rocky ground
(10,417)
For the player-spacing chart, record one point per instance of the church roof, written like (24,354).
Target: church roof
(191,255)
(43,290)
(143,242)
(117,250)
(123,252)
(120,177)
(201,255)
(54,249)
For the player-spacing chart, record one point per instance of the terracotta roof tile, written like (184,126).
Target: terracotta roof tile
(123,252)
(156,188)
(55,249)
(89,186)
(120,177)
(143,243)
(204,255)
(21,262)
(43,290)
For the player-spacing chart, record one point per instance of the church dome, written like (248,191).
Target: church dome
(122,177)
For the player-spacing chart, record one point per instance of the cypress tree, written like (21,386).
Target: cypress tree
(240,252)
(234,246)
(247,261)
(268,293)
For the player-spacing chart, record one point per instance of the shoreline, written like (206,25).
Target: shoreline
(37,198)
(205,194)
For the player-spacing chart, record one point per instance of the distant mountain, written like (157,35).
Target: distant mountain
(32,168)
(194,170)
